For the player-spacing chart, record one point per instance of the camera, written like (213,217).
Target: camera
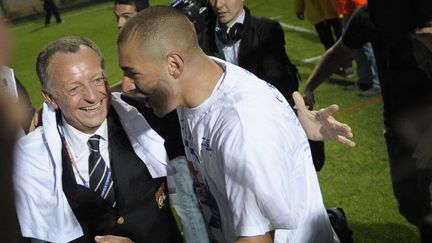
(194,10)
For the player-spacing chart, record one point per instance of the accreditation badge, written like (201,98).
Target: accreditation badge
(160,196)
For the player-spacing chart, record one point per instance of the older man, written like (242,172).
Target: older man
(95,166)
(251,153)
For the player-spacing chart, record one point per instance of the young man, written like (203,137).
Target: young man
(95,166)
(126,9)
(240,133)
(181,190)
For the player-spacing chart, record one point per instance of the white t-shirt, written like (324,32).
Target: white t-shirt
(253,156)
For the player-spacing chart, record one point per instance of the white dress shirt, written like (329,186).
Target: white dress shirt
(230,51)
(80,150)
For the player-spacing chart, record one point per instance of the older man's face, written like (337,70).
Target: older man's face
(78,87)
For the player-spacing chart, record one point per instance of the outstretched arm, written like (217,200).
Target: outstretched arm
(331,60)
(321,125)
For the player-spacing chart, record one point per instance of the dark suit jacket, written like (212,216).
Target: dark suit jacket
(136,192)
(262,51)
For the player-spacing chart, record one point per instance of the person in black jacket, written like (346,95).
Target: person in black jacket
(256,44)
(51,8)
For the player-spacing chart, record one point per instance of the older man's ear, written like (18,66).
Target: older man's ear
(48,97)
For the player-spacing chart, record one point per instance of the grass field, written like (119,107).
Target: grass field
(355,179)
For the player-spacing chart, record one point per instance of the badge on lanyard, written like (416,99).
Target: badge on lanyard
(160,196)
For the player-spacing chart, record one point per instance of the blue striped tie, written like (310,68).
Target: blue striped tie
(100,175)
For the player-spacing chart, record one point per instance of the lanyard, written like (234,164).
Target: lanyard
(74,164)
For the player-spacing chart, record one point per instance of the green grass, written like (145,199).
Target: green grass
(355,179)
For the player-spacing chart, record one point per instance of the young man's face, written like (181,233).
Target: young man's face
(78,87)
(227,11)
(123,13)
(147,75)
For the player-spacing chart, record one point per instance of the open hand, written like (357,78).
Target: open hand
(321,125)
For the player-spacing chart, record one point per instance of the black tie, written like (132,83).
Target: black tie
(100,175)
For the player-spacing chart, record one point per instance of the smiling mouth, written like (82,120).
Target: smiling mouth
(93,107)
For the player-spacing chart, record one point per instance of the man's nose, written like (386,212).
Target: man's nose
(219,3)
(90,93)
(120,22)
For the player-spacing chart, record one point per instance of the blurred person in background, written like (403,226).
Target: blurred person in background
(51,8)
(400,34)
(23,97)
(368,81)
(323,16)
(10,118)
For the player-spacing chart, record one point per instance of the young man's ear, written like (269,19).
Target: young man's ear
(175,64)
(48,97)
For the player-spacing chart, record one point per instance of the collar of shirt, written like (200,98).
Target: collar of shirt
(230,51)
(80,150)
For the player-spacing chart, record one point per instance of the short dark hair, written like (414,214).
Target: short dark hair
(162,27)
(139,4)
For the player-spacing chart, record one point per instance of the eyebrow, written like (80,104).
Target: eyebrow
(121,14)
(127,69)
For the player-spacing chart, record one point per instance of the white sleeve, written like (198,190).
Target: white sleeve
(264,168)
(42,208)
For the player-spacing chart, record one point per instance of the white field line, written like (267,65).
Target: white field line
(301,30)
(311,59)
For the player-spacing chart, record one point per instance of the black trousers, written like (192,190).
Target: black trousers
(329,31)
(51,8)
(410,183)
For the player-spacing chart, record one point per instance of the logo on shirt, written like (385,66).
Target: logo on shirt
(206,144)
(160,196)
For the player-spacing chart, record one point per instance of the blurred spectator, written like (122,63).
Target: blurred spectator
(402,46)
(51,8)
(23,96)
(364,57)
(322,14)
(10,118)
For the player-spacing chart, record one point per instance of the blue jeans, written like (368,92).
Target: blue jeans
(185,202)
(366,63)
